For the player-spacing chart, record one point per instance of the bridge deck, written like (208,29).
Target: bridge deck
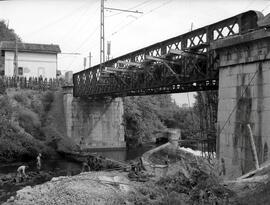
(180,64)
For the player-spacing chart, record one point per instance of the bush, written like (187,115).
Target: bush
(2,87)
(37,107)
(17,145)
(47,100)
(5,108)
(29,121)
(20,98)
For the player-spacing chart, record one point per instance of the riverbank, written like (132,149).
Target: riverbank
(50,169)
(119,188)
(54,168)
(173,175)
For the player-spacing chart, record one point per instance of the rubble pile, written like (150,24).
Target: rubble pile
(86,188)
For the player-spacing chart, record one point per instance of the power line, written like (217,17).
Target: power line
(83,43)
(102,28)
(78,26)
(128,24)
(127,16)
(150,11)
(265,7)
(68,15)
(249,4)
(122,10)
(136,6)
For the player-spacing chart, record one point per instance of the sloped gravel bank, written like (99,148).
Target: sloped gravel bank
(86,188)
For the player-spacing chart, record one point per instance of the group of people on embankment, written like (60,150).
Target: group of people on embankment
(21,169)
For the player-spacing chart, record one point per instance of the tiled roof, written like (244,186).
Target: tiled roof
(29,47)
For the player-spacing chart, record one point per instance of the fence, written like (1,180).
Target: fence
(31,83)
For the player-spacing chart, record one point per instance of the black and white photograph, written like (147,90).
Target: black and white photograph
(134,102)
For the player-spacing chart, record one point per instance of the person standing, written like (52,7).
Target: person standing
(39,161)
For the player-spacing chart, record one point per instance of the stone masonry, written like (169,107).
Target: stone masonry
(244,98)
(94,125)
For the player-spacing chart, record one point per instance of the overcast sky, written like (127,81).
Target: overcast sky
(74,24)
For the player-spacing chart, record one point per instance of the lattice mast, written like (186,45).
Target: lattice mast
(102,35)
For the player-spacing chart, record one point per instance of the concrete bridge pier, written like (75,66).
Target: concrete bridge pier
(94,125)
(244,98)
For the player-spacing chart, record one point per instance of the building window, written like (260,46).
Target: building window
(20,70)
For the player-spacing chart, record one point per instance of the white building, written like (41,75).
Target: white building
(34,60)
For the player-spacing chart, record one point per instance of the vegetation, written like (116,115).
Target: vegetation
(16,127)
(7,34)
(205,108)
(147,117)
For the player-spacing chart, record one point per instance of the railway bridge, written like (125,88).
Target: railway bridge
(231,56)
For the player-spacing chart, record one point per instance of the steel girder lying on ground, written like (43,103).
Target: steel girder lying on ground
(180,64)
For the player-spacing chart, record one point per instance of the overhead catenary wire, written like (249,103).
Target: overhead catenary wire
(140,4)
(83,43)
(150,11)
(64,17)
(79,24)
(136,6)
(265,7)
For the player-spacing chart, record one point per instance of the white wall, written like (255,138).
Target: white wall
(34,64)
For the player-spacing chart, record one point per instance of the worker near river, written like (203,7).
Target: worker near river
(21,171)
(39,161)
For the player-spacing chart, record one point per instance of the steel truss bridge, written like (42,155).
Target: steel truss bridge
(184,63)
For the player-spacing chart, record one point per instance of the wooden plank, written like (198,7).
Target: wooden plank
(107,71)
(121,70)
(160,59)
(254,151)
(153,58)
(130,63)
(255,179)
(264,168)
(186,53)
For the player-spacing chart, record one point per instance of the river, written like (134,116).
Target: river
(58,167)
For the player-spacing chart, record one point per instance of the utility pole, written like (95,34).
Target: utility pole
(191,26)
(84,63)
(108,50)
(90,57)
(15,62)
(102,32)
(102,35)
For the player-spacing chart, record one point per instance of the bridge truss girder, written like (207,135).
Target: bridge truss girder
(180,64)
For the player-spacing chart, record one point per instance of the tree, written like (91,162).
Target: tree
(7,34)
(205,108)
(146,116)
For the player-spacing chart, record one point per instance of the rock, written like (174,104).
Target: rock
(11,199)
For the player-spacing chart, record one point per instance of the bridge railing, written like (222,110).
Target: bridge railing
(90,82)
